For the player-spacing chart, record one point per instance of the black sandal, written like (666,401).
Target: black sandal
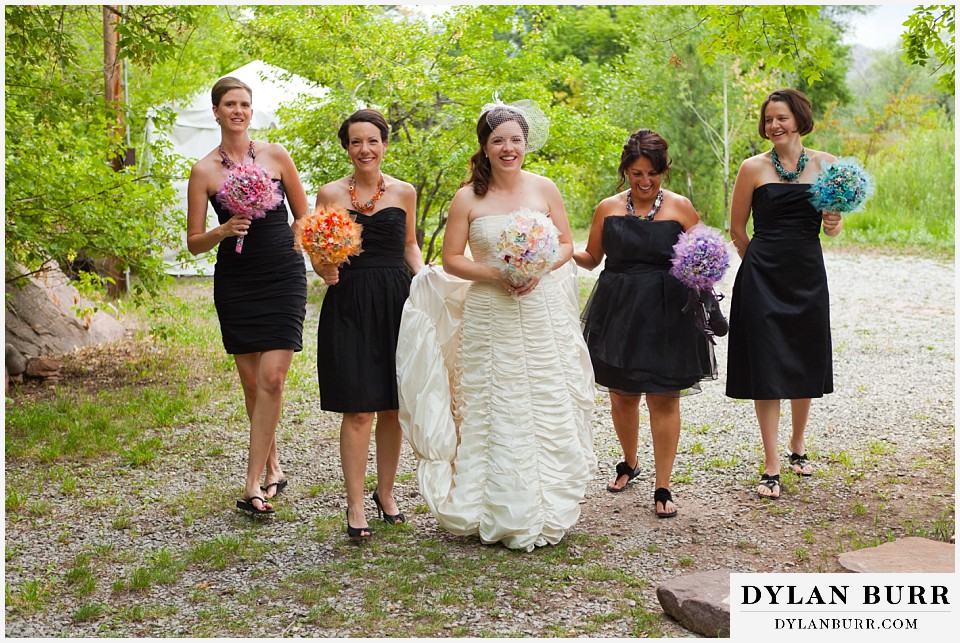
(624,469)
(799,463)
(357,533)
(662,495)
(248,506)
(770,482)
(390,519)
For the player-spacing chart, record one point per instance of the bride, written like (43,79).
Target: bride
(496,385)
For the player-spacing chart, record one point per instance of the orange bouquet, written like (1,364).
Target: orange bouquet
(330,235)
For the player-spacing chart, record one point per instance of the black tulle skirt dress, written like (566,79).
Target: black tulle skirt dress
(360,320)
(639,337)
(261,293)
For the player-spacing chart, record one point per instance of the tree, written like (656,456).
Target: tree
(430,81)
(63,198)
(932,28)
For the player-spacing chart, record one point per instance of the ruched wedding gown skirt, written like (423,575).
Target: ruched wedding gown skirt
(496,398)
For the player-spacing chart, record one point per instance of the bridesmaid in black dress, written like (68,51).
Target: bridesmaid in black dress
(360,316)
(639,338)
(261,293)
(780,312)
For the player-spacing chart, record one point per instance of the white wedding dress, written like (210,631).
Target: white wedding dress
(496,398)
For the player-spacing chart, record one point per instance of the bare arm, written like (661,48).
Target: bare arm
(558,214)
(412,254)
(591,257)
(296,196)
(199,239)
(740,207)
(455,243)
(328,271)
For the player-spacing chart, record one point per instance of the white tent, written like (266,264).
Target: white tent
(195,133)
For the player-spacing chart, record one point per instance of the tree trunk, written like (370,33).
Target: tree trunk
(113,93)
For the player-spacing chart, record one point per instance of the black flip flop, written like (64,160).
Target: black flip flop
(279,485)
(247,505)
(623,469)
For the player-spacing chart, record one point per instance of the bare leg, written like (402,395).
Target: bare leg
(271,372)
(625,411)
(799,412)
(768,416)
(248,365)
(354,447)
(665,428)
(389,439)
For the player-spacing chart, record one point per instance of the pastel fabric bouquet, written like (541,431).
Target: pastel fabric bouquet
(700,258)
(330,235)
(528,245)
(843,186)
(248,191)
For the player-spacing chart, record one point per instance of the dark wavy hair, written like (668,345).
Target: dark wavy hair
(799,106)
(644,143)
(480,170)
(363,116)
(224,85)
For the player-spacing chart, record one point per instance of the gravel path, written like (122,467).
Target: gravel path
(877,442)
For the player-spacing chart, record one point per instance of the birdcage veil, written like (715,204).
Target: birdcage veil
(537,124)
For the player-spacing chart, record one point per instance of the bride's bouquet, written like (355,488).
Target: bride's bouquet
(528,245)
(330,235)
(248,192)
(700,258)
(843,186)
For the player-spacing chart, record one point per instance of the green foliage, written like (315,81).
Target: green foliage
(63,199)
(932,28)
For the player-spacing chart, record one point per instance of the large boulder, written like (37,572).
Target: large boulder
(906,555)
(41,322)
(700,602)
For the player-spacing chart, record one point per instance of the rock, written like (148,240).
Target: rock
(699,602)
(918,555)
(16,362)
(41,320)
(43,367)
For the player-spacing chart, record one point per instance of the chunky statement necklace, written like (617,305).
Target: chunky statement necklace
(368,206)
(653,211)
(789,177)
(229,164)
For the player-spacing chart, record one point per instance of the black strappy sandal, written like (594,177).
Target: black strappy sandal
(771,483)
(357,533)
(799,463)
(390,519)
(624,469)
(662,495)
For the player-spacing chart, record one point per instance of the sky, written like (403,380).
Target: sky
(880,28)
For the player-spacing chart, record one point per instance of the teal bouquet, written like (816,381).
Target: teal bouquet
(843,186)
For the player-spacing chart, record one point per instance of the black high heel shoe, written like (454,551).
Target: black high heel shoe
(357,532)
(387,518)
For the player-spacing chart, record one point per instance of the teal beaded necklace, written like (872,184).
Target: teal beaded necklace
(789,177)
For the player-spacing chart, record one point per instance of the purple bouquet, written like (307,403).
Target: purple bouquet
(843,186)
(700,258)
(248,192)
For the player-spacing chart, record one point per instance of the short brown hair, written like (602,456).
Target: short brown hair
(799,106)
(363,116)
(224,85)
(644,143)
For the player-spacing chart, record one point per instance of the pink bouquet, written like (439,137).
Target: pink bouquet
(700,258)
(248,192)
(528,245)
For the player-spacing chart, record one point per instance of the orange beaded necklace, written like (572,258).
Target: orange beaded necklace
(368,206)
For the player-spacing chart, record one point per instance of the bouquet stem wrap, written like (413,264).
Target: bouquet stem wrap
(700,259)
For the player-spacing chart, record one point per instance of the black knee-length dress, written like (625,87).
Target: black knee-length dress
(261,293)
(779,343)
(360,320)
(639,337)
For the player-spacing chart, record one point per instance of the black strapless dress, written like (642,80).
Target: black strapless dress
(640,339)
(360,320)
(261,293)
(779,344)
